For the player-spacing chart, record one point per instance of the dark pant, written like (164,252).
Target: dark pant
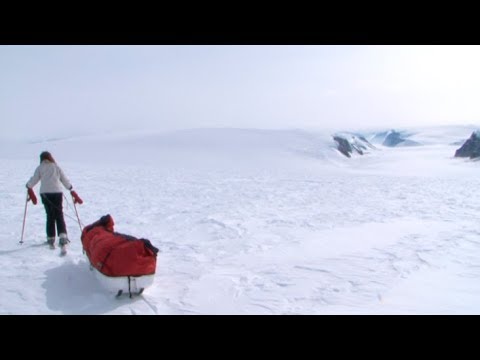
(54,210)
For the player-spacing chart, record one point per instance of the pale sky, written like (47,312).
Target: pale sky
(50,91)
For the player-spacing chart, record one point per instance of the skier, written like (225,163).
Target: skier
(51,177)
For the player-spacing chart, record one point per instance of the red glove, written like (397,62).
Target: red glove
(31,196)
(76,198)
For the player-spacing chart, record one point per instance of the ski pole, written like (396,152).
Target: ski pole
(24,218)
(76,212)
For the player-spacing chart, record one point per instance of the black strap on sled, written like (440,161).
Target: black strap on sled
(105,259)
(129,289)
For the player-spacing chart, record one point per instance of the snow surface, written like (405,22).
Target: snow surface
(253,222)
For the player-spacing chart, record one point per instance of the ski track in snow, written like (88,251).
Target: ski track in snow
(266,241)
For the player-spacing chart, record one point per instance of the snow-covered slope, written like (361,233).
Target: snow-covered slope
(253,222)
(439,135)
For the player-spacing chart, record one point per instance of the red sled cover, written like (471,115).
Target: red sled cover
(115,254)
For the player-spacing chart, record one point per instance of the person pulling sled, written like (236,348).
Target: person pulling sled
(52,178)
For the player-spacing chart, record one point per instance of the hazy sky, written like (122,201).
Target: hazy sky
(48,91)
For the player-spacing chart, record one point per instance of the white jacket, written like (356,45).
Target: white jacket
(52,177)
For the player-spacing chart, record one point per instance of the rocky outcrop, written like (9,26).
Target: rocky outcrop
(343,146)
(393,138)
(471,147)
(348,144)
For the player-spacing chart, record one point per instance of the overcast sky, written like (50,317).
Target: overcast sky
(49,91)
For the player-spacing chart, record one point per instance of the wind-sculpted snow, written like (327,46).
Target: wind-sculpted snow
(294,228)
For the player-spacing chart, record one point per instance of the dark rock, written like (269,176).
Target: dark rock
(349,143)
(471,147)
(343,146)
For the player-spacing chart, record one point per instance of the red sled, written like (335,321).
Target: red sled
(122,263)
